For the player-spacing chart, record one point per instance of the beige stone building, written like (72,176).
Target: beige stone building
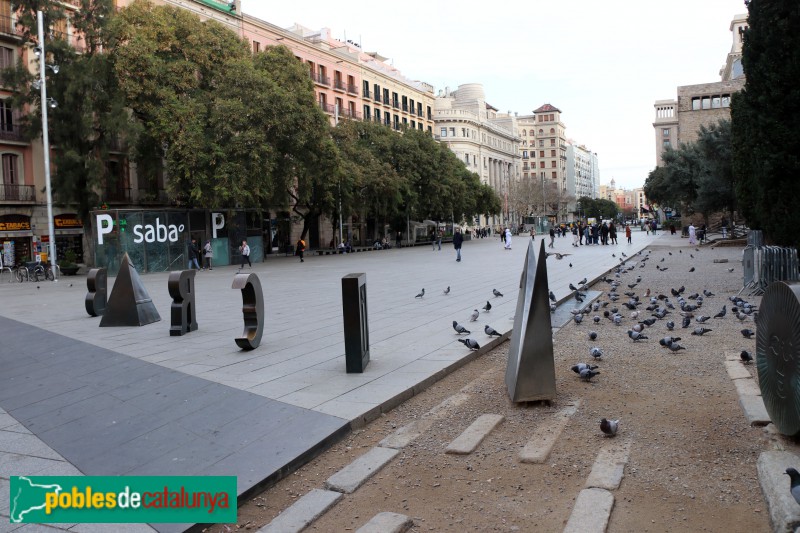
(482,138)
(678,121)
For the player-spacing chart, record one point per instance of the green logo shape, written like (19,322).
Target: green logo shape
(119,499)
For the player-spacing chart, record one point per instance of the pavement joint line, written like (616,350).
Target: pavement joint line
(303,512)
(609,466)
(591,511)
(471,437)
(784,512)
(352,476)
(539,446)
(387,522)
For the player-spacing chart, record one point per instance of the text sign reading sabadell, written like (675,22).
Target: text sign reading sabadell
(119,499)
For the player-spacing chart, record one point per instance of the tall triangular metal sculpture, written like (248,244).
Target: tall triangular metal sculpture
(531,372)
(130,303)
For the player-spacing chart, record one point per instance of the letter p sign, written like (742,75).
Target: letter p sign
(217,222)
(105,224)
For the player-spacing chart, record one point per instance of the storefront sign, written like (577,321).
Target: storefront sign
(67,221)
(15,223)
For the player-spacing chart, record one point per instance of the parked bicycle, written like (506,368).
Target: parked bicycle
(34,272)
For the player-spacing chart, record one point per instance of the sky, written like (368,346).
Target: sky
(602,64)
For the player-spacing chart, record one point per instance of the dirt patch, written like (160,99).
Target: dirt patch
(692,464)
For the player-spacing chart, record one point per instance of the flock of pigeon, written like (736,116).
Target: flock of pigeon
(470,343)
(641,311)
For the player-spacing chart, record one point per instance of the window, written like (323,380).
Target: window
(413,124)
(541,131)
(552,142)
(552,117)
(555,175)
(541,143)
(386,96)
(475,160)
(541,164)
(466,158)
(695,103)
(395,101)
(530,132)
(464,132)
(377,95)
(552,153)
(553,164)
(552,131)
(715,102)
(524,154)
(367,114)
(444,132)
(10,169)
(6,116)
(541,153)
(524,134)
(6,57)
(256,47)
(665,132)
(726,100)
(706,102)
(452,132)
(377,115)
(365,89)
(666,144)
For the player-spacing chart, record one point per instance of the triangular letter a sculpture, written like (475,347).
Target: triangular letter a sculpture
(531,372)
(129,303)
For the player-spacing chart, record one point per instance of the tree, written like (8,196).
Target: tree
(598,208)
(765,115)
(90,119)
(715,184)
(525,197)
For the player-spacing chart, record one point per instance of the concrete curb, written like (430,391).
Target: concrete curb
(471,438)
(591,512)
(352,476)
(302,512)
(749,392)
(609,466)
(538,448)
(387,523)
(784,511)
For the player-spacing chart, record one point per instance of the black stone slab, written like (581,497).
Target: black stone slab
(111,414)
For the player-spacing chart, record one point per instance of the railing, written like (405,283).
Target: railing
(9,27)
(17,193)
(368,117)
(319,79)
(117,195)
(395,104)
(11,133)
(405,108)
(377,97)
(339,85)
(328,108)
(367,94)
(386,100)
(352,89)
(153,196)
(351,114)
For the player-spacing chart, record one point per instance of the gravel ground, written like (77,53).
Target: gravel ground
(692,463)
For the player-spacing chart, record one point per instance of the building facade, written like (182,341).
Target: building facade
(583,175)
(482,138)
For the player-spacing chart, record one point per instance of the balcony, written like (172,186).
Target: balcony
(328,108)
(320,79)
(153,197)
(378,98)
(339,85)
(352,89)
(8,27)
(367,94)
(386,100)
(11,132)
(405,108)
(368,117)
(395,104)
(348,113)
(17,193)
(117,195)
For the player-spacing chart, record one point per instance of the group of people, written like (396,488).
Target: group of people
(605,233)
(505,237)
(197,256)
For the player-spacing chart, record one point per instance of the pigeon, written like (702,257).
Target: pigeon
(474,316)
(446,291)
(497,294)
(552,296)
(488,306)
(570,265)
(579,296)
(469,343)
(670,325)
(578,318)
(708,293)
(731,270)
(666,341)
(581,366)
(746,357)
(748,333)
(459,328)
(593,335)
(636,336)
(558,255)
(675,347)
(702,319)
(582,282)
(595,352)
(609,427)
(596,319)
(572,287)
(794,476)
(700,331)
(687,320)
(421,293)
(721,313)
(491,331)
(691,269)
(587,374)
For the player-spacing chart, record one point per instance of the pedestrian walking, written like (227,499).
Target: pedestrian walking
(612,233)
(301,248)
(552,237)
(508,239)
(692,234)
(398,239)
(724,225)
(193,253)
(628,233)
(458,240)
(533,233)
(439,239)
(575,235)
(245,250)
(654,226)
(209,254)
(432,236)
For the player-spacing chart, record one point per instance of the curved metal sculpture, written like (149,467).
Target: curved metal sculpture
(183,312)
(356,327)
(252,309)
(778,355)
(97,284)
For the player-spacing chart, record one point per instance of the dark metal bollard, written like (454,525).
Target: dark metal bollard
(356,328)
(252,309)
(778,355)
(183,310)
(97,283)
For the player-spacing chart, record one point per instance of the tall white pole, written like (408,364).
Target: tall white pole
(341,237)
(46,143)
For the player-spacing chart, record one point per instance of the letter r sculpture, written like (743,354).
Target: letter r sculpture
(252,309)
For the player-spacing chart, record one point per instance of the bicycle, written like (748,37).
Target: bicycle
(34,272)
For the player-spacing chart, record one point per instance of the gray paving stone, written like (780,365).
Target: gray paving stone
(609,466)
(471,437)
(6,526)
(591,512)
(538,448)
(754,410)
(387,522)
(352,476)
(736,370)
(405,435)
(747,387)
(784,512)
(302,512)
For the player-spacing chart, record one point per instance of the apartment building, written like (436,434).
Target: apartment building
(481,137)
(583,175)
(678,121)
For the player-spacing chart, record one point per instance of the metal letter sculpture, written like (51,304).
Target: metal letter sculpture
(129,303)
(252,309)
(356,328)
(778,354)
(182,312)
(531,372)
(97,283)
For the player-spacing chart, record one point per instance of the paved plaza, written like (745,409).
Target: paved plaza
(76,398)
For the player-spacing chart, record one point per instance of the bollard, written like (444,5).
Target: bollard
(183,311)
(356,328)
(252,309)
(97,284)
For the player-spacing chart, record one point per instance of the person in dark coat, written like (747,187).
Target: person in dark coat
(458,240)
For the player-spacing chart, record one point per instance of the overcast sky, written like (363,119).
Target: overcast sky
(603,64)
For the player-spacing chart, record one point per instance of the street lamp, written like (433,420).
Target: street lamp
(46,102)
